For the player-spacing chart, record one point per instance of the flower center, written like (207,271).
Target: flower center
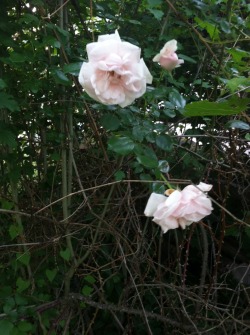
(114,76)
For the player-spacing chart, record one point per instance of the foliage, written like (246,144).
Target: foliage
(77,254)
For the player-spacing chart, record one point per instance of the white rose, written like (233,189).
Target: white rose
(115,73)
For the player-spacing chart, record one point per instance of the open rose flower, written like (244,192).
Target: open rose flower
(167,57)
(115,73)
(180,208)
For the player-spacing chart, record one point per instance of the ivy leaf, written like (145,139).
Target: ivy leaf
(14,231)
(87,290)
(237,83)
(65,254)
(23,258)
(51,274)
(89,279)
(211,29)
(119,175)
(22,285)
(238,54)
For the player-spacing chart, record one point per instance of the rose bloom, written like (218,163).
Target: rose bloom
(167,56)
(180,208)
(115,73)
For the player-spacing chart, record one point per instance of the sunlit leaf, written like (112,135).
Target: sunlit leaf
(208,108)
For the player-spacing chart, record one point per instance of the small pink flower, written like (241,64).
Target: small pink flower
(115,73)
(167,57)
(181,208)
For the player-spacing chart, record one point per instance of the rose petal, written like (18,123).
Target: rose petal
(153,202)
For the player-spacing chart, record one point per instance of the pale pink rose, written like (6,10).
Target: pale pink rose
(115,74)
(167,57)
(180,208)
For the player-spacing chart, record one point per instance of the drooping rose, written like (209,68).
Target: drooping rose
(167,57)
(115,74)
(180,208)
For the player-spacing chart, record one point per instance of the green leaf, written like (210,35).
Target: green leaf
(28,18)
(110,121)
(24,326)
(7,101)
(121,145)
(7,137)
(238,54)
(60,77)
(154,3)
(169,112)
(211,29)
(72,68)
(15,230)
(237,124)
(2,84)
(146,156)
(22,285)
(87,290)
(16,57)
(237,83)
(51,41)
(6,327)
(158,14)
(65,254)
(177,100)
(187,58)
(90,279)
(23,258)
(51,274)
(247,137)
(225,26)
(119,175)
(9,305)
(5,204)
(207,108)
(164,142)
(139,132)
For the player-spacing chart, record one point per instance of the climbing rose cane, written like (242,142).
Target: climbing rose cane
(167,57)
(115,73)
(180,208)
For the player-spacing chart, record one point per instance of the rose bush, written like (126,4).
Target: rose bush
(115,73)
(167,57)
(180,208)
